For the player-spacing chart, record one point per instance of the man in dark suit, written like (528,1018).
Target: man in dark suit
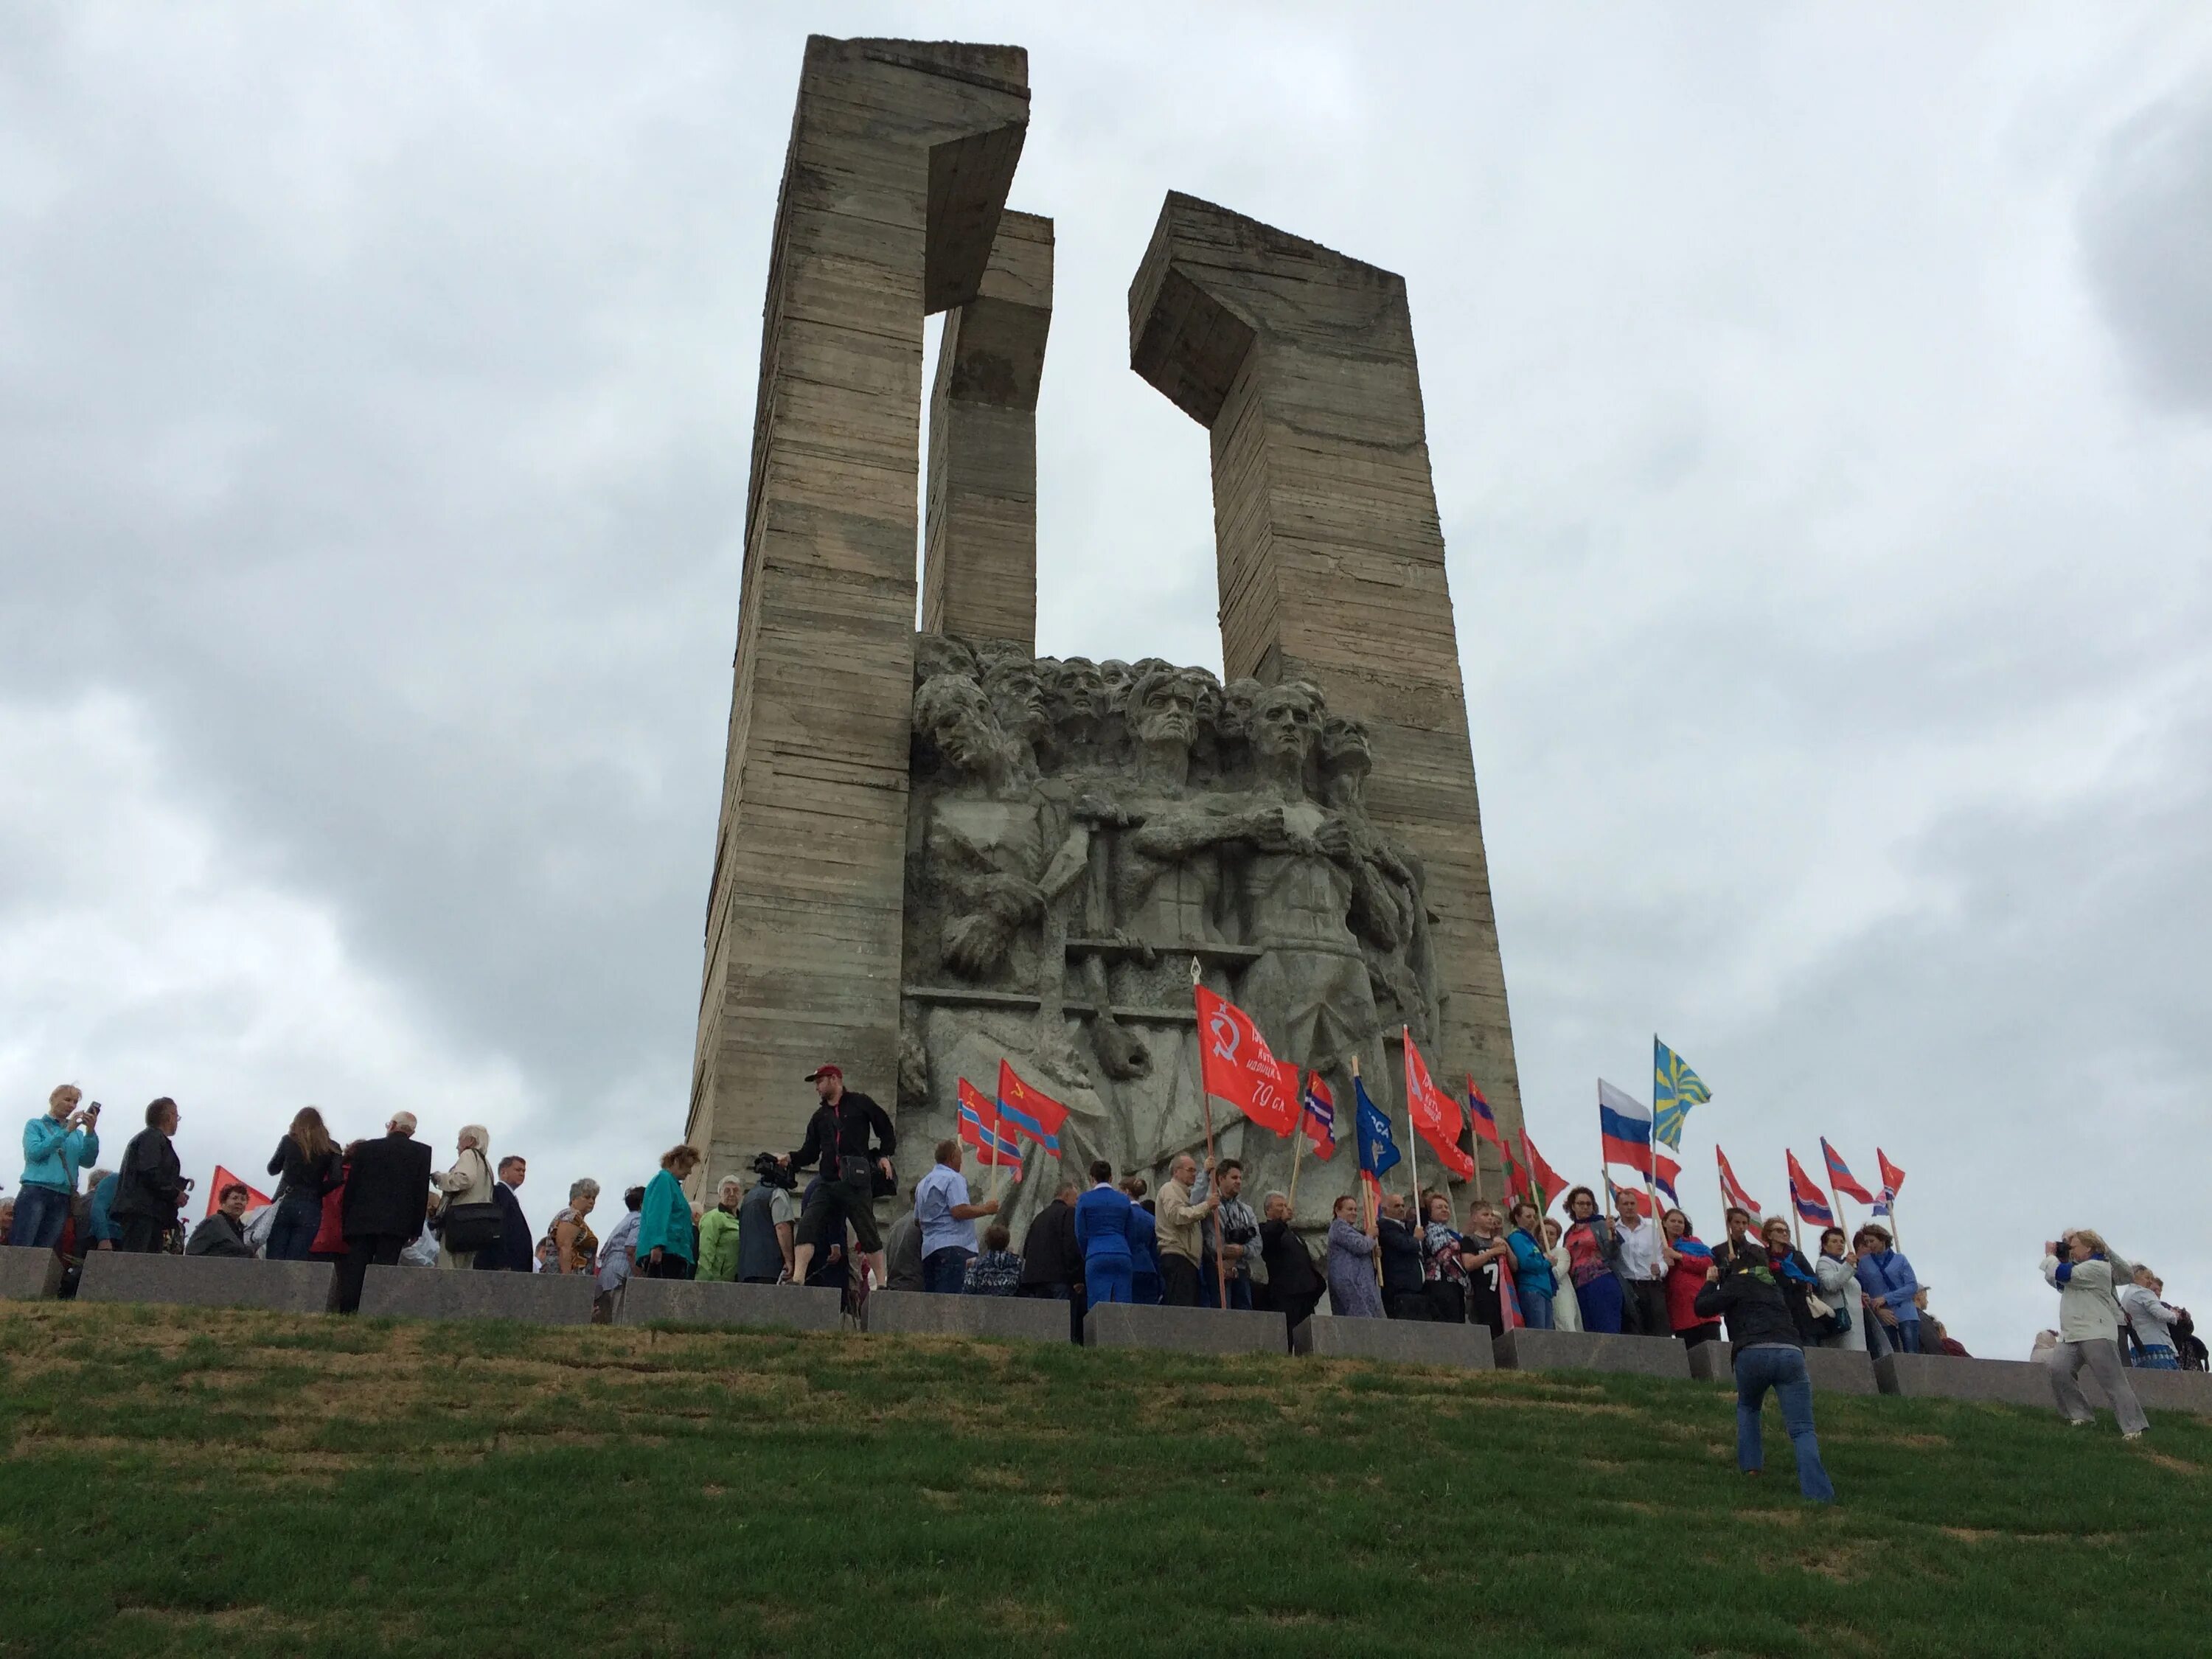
(517,1251)
(1052,1262)
(387,1198)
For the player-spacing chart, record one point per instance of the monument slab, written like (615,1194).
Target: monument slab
(208,1281)
(761,1307)
(28,1274)
(1181,1330)
(1585,1351)
(434,1293)
(996,1318)
(1399,1341)
(1830,1371)
(1942,1377)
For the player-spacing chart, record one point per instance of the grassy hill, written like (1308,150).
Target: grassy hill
(185,1482)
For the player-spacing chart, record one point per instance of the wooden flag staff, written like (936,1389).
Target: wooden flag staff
(1206,1103)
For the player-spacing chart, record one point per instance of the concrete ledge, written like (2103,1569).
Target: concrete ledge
(208,1281)
(1939,1376)
(761,1307)
(464,1293)
(28,1274)
(2160,1391)
(1181,1330)
(1586,1351)
(1832,1371)
(999,1318)
(1398,1341)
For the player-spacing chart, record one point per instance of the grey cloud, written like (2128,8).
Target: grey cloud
(2146,222)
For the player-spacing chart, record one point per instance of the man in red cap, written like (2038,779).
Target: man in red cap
(837,1139)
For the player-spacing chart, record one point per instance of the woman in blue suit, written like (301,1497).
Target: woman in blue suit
(1103,1230)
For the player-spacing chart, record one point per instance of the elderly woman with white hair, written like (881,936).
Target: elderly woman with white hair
(469,1181)
(574,1248)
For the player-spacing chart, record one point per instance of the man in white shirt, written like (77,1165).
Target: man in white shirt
(947,1220)
(1643,1272)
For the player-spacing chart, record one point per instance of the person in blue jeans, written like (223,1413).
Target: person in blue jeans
(1769,1355)
(1888,1279)
(57,1144)
(1102,1232)
(1532,1268)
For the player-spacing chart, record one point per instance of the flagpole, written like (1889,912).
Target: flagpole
(1298,1150)
(1205,1102)
(1412,1136)
(1789,1182)
(1371,1191)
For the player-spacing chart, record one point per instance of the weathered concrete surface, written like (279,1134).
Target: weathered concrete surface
(1832,1371)
(899,159)
(28,1275)
(2160,1391)
(1939,1376)
(1300,363)
(1401,1341)
(979,558)
(689,1302)
(1583,1351)
(1002,1318)
(437,1293)
(208,1281)
(1183,1330)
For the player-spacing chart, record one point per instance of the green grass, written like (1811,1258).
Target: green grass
(248,1484)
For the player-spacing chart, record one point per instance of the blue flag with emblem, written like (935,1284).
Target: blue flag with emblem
(1377,1150)
(1675,1088)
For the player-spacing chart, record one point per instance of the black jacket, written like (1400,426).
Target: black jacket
(1049,1253)
(1401,1256)
(150,1184)
(517,1251)
(1751,1300)
(1291,1270)
(306,1176)
(387,1191)
(841,1130)
(219,1236)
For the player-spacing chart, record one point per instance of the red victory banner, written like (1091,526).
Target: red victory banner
(1237,1067)
(1434,1115)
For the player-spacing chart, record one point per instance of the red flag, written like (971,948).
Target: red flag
(1811,1203)
(255,1198)
(1026,1111)
(982,1128)
(1237,1067)
(1434,1115)
(1732,1189)
(1484,1120)
(1840,1177)
(1891,1176)
(1546,1179)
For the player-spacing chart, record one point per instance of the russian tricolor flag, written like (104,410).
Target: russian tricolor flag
(1625,1127)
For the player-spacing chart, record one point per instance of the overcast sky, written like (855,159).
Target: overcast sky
(1821,402)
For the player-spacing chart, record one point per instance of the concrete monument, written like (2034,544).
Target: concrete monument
(941,851)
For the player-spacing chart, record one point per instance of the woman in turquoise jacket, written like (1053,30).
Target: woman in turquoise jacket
(57,1144)
(667,1243)
(1532,1268)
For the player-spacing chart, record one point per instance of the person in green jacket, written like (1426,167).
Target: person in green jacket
(667,1244)
(718,1234)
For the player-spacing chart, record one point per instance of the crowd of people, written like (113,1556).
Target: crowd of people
(1197,1243)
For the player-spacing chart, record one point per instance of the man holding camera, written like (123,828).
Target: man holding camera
(57,1144)
(837,1137)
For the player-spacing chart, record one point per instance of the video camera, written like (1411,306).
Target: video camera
(769,1169)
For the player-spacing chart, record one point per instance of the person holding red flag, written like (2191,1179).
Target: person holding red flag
(1434,1115)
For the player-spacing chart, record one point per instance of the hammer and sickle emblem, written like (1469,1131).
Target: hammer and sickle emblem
(1225,1037)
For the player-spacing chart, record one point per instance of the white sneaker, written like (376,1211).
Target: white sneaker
(2133,1434)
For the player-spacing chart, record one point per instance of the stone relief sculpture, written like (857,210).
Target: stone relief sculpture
(1078,833)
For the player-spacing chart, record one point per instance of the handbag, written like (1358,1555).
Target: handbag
(1828,1321)
(470,1227)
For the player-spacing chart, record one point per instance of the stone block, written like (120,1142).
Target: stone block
(208,1281)
(1939,1376)
(1585,1351)
(1832,1371)
(463,1293)
(999,1318)
(1399,1341)
(2160,1391)
(759,1307)
(28,1275)
(1181,1330)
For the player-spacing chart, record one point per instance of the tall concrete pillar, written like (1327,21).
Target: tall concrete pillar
(979,560)
(1299,363)
(900,158)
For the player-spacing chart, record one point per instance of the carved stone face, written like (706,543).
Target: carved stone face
(1285,722)
(1239,698)
(954,714)
(1164,707)
(1347,753)
(1079,691)
(1017,694)
(1116,676)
